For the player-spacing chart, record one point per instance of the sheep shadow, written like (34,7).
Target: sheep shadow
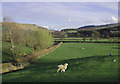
(71,62)
(41,67)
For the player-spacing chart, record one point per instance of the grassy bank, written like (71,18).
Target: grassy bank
(7,54)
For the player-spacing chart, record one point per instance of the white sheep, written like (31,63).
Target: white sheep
(62,67)
(114,60)
(83,48)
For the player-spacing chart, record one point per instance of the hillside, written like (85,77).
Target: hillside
(94,27)
(22,26)
(108,30)
(17,38)
(89,28)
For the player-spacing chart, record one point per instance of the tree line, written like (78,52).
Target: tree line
(103,31)
(93,35)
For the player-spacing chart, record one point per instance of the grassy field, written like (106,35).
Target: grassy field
(87,39)
(91,64)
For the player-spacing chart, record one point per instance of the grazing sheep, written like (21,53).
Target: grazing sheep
(62,67)
(114,60)
(83,48)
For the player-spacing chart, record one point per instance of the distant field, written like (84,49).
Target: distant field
(87,39)
(91,64)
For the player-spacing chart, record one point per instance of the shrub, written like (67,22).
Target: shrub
(41,39)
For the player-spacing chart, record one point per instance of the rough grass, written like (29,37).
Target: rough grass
(6,52)
(93,64)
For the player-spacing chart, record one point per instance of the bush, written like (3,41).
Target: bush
(40,39)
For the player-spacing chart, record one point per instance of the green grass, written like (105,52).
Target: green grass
(93,64)
(6,53)
(87,39)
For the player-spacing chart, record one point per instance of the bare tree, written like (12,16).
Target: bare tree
(95,35)
(61,35)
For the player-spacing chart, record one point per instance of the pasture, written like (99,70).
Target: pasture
(87,39)
(88,62)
